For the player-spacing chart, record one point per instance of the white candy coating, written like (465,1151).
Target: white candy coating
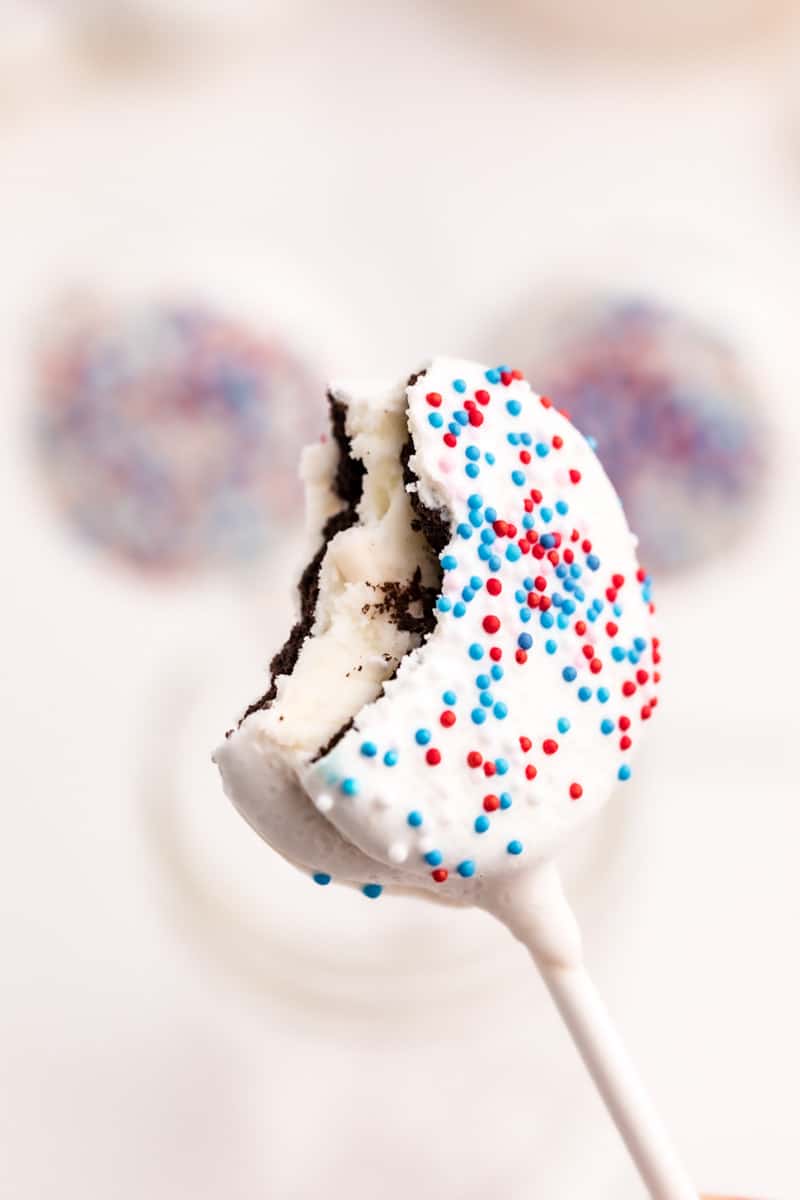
(483,450)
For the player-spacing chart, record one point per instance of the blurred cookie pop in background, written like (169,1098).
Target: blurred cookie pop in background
(169,433)
(672,411)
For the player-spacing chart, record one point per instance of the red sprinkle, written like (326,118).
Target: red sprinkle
(482,396)
(612,629)
(525,456)
(491,803)
(475,417)
(491,624)
(489,769)
(642,676)
(628,687)
(574,475)
(575,791)
(558,442)
(625,742)
(545,402)
(525,743)
(588,651)
(530,771)
(448,718)
(474,758)
(439,875)
(595,666)
(624,723)
(618,580)
(580,628)
(450,440)
(494,587)
(549,745)
(434,399)
(433,757)
(495,654)
(521,657)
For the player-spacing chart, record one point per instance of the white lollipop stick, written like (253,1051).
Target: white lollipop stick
(534,908)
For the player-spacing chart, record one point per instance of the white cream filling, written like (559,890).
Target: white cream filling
(354,647)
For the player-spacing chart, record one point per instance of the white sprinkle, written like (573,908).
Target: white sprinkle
(398,853)
(323,802)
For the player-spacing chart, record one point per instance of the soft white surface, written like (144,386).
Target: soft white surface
(412,197)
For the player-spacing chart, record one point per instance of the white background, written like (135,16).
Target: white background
(180,1016)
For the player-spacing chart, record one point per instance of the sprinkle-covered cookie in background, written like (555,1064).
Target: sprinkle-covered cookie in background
(673,414)
(169,433)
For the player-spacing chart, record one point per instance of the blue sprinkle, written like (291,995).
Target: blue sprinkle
(514,847)
(497,672)
(597,605)
(562,620)
(466,869)
(460,385)
(490,458)
(493,376)
(569,607)
(464,531)
(486,699)
(372,890)
(569,585)
(369,749)
(505,800)
(476,583)
(488,537)
(322,878)
(422,737)
(633,657)
(569,673)
(561,571)
(524,641)
(617,653)
(501,766)
(527,583)
(513,553)
(518,477)
(475,501)
(449,563)
(443,604)
(546,514)
(520,596)
(591,442)
(478,716)
(526,439)
(525,615)
(482,682)
(624,772)
(467,594)
(390,758)
(592,562)
(433,858)
(484,553)
(562,507)
(481,824)
(459,609)
(501,710)
(542,449)
(563,725)
(546,620)
(557,599)
(617,610)
(461,417)
(495,563)
(414,819)
(472,470)
(350,787)
(491,515)
(449,698)
(513,439)
(580,594)
(603,694)
(640,643)
(606,725)
(551,646)
(575,570)
(591,615)
(548,541)
(476,652)
(514,407)
(436,420)
(454,428)
(584,693)
(528,521)
(473,453)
